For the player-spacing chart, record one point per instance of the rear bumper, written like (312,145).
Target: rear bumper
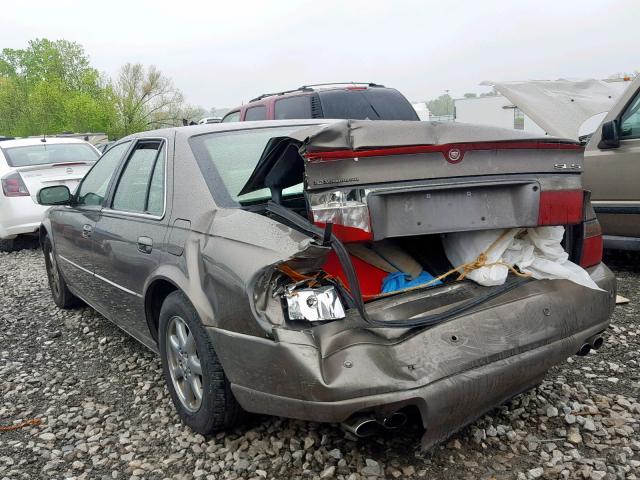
(19,215)
(452,372)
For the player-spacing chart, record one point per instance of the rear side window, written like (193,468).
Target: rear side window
(232,117)
(46,153)
(366,104)
(141,186)
(256,113)
(293,107)
(94,185)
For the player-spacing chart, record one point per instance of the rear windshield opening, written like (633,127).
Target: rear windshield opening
(227,160)
(48,153)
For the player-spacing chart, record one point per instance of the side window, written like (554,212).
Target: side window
(141,176)
(630,120)
(155,203)
(256,113)
(293,107)
(232,117)
(94,186)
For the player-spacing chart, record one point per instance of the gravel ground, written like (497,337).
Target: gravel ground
(106,413)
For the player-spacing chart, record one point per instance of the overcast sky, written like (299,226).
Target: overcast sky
(223,53)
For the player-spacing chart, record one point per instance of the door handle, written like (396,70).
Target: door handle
(86,230)
(145,244)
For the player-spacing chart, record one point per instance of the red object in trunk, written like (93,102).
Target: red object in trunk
(369,277)
(560,207)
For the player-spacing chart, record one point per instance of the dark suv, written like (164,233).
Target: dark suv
(357,101)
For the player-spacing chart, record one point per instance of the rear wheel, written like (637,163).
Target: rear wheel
(61,294)
(195,378)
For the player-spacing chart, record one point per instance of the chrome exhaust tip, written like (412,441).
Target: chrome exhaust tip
(596,342)
(361,426)
(584,350)
(395,420)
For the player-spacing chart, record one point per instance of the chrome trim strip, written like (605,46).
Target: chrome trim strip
(617,203)
(617,207)
(124,213)
(120,287)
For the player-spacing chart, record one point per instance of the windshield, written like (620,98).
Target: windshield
(234,155)
(47,153)
(366,104)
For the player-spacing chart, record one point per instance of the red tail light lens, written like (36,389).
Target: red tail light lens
(13,186)
(347,210)
(592,244)
(561,207)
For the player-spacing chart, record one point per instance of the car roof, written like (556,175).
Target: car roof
(25,142)
(193,130)
(319,87)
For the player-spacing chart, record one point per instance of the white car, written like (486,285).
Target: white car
(26,166)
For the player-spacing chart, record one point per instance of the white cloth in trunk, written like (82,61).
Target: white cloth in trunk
(536,251)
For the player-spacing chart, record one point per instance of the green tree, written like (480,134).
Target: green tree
(443,105)
(146,99)
(51,87)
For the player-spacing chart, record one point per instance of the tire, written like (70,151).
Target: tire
(60,292)
(217,408)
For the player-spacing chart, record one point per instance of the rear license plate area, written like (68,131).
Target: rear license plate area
(452,208)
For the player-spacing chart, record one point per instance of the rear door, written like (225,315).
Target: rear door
(612,174)
(129,235)
(73,226)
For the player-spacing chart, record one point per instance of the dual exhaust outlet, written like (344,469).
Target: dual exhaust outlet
(595,342)
(367,425)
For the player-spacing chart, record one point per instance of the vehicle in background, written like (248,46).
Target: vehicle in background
(245,255)
(358,101)
(94,138)
(26,166)
(207,120)
(103,147)
(612,171)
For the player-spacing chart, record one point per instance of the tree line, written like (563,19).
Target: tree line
(50,87)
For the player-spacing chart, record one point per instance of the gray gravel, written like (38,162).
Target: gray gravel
(106,413)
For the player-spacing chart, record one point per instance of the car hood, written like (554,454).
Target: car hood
(282,156)
(560,107)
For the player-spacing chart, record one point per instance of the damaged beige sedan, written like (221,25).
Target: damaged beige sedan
(343,271)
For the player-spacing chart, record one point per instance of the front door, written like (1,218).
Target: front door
(129,235)
(74,226)
(612,174)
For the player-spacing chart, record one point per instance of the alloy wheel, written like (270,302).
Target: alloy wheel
(184,364)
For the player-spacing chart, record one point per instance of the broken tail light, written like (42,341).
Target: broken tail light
(13,186)
(314,304)
(560,207)
(591,244)
(348,212)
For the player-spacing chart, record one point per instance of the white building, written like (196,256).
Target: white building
(495,111)
(422,110)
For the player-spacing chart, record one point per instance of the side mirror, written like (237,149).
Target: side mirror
(610,137)
(56,195)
